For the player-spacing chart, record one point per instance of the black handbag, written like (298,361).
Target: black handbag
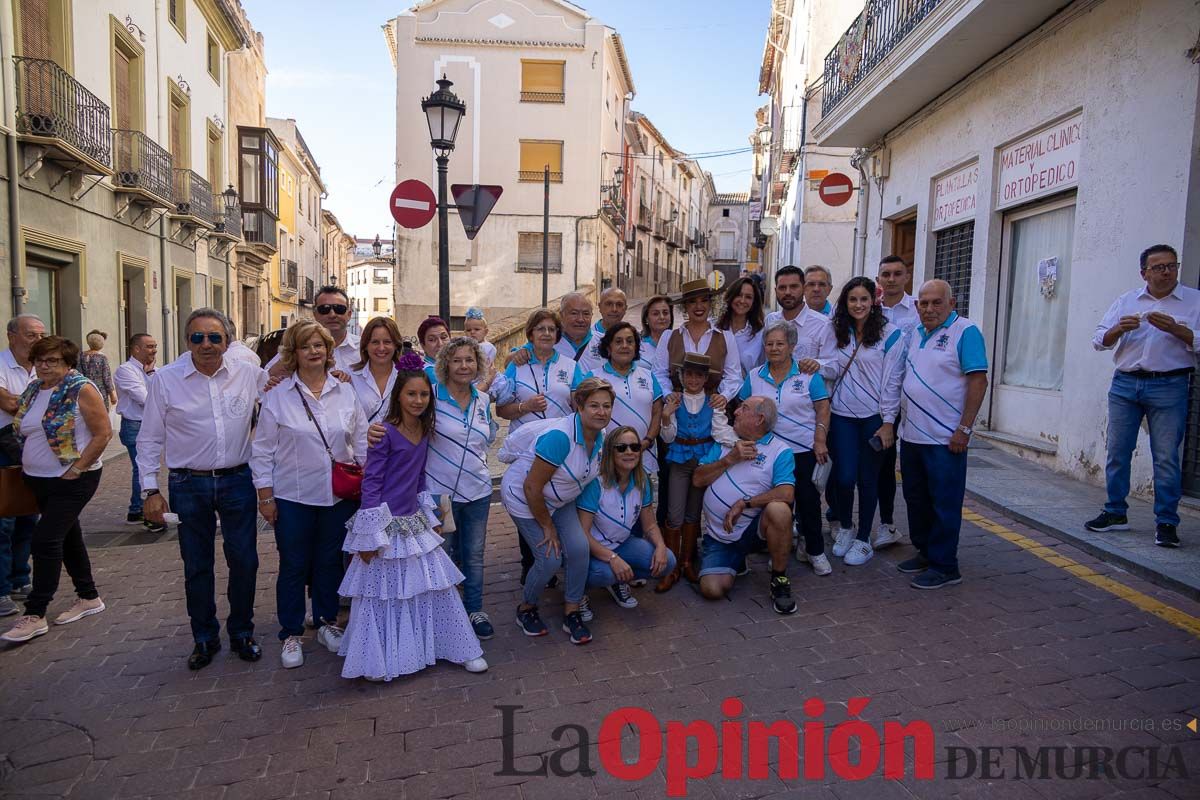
(10,445)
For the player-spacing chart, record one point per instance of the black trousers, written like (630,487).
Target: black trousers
(887,480)
(58,539)
(807,506)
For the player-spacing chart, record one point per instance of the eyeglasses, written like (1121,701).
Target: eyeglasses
(625,448)
(1162,269)
(336,308)
(47,362)
(213,338)
(547,329)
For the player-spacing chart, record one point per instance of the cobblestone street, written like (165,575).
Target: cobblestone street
(1038,639)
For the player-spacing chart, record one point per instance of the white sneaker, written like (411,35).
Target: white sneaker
(476,665)
(858,554)
(292,655)
(638,583)
(801,553)
(820,564)
(79,609)
(842,541)
(585,610)
(331,637)
(886,536)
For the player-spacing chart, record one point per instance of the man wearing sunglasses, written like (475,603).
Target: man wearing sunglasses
(197,418)
(332,311)
(1155,332)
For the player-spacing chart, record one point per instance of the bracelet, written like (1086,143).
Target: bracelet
(823,425)
(267,501)
(75,469)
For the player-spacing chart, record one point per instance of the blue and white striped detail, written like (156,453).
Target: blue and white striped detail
(773,466)
(616,511)
(457,464)
(554,378)
(794,397)
(859,392)
(934,389)
(561,445)
(636,393)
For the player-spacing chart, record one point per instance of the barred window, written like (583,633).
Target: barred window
(952,263)
(529,252)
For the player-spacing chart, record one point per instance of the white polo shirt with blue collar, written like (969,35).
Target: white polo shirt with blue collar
(554,378)
(794,397)
(933,381)
(560,445)
(457,463)
(773,466)
(616,510)
(636,393)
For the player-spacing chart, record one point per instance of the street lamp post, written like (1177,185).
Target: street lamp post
(443,111)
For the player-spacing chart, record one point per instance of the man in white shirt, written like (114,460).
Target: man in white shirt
(197,418)
(239,350)
(332,310)
(818,285)
(900,309)
(131,379)
(1155,330)
(16,533)
(816,345)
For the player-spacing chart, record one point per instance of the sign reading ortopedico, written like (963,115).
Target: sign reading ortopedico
(1042,164)
(954,197)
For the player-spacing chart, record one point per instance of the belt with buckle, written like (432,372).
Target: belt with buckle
(1171,373)
(213,473)
(683,440)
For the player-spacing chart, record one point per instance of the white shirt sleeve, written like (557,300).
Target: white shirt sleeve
(662,361)
(894,365)
(731,377)
(722,432)
(266,438)
(130,384)
(667,429)
(827,349)
(152,435)
(1107,321)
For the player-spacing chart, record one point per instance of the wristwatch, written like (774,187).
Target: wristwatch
(148,493)
(746,499)
(966,429)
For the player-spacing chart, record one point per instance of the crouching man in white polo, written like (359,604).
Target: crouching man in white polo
(748,504)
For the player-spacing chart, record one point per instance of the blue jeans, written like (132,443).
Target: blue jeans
(855,463)
(1164,403)
(197,500)
(465,546)
(575,554)
(309,540)
(637,553)
(16,539)
(935,483)
(128,436)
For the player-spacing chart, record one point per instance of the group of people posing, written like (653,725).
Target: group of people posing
(662,453)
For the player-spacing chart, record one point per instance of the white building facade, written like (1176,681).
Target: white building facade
(1026,152)
(729,232)
(370,283)
(544,84)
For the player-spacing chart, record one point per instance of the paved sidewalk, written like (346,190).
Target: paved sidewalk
(1059,505)
(1039,637)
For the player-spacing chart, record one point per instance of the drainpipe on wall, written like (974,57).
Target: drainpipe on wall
(857,160)
(15,255)
(162,219)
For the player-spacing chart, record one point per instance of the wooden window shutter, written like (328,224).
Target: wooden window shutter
(123,102)
(536,155)
(529,252)
(542,76)
(175,123)
(35,29)
(214,163)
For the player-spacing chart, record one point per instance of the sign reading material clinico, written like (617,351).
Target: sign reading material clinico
(1041,164)
(954,196)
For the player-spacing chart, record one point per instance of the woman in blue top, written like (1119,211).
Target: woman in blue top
(552,461)
(540,388)
(658,317)
(639,398)
(609,508)
(861,423)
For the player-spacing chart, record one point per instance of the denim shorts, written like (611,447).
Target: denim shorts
(729,558)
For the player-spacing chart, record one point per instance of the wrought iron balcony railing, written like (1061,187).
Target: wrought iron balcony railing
(537,176)
(228,221)
(543,97)
(660,228)
(875,33)
(306,296)
(258,227)
(643,217)
(292,275)
(143,164)
(52,104)
(193,195)
(726,254)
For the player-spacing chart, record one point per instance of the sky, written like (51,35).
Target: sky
(695,64)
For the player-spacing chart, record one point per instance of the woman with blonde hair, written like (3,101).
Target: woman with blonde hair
(94,366)
(307,423)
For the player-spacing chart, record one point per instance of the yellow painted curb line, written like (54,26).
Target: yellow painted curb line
(1142,601)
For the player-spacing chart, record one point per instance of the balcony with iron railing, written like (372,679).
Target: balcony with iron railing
(538,176)
(899,55)
(291,275)
(543,97)
(306,293)
(643,216)
(193,196)
(143,167)
(259,228)
(674,236)
(56,110)
(726,254)
(660,228)
(227,221)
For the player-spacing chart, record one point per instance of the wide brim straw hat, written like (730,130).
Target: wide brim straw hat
(695,288)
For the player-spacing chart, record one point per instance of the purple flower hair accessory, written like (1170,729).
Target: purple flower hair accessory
(410,362)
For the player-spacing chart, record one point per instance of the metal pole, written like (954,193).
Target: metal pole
(546,237)
(443,163)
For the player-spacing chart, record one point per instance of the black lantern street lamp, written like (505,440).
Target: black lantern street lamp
(376,246)
(443,111)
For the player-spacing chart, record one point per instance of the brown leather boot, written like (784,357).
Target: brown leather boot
(690,557)
(671,538)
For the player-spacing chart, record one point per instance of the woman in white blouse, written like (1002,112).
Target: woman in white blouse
(307,422)
(743,317)
(375,372)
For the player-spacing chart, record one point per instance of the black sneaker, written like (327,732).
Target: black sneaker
(1165,535)
(932,579)
(622,595)
(781,595)
(1107,522)
(154,527)
(531,622)
(482,625)
(133,518)
(573,624)
(913,565)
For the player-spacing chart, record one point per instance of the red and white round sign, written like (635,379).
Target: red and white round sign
(412,204)
(835,189)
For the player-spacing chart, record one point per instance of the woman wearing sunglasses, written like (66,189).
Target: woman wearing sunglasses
(609,508)
(307,422)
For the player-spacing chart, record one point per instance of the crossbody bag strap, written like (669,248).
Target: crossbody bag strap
(313,420)
(837,385)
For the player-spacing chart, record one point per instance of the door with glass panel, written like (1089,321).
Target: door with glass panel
(1035,275)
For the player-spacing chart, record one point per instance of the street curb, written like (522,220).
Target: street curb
(1134,566)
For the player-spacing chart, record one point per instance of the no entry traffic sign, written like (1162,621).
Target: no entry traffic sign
(412,204)
(835,189)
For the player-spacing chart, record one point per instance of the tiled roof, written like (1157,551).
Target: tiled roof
(731,199)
